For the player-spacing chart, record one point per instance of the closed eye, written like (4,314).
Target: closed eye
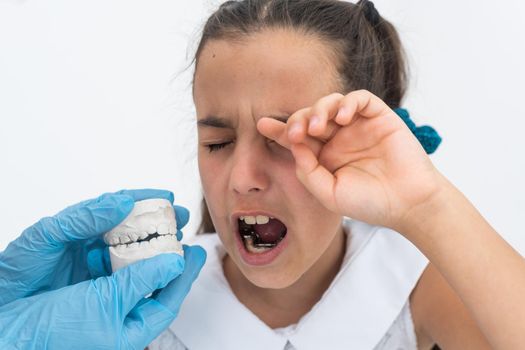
(218,146)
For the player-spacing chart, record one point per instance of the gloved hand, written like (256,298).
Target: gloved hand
(106,313)
(53,253)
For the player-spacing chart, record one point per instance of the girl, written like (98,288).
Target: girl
(297,134)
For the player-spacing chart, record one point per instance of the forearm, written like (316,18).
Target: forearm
(483,269)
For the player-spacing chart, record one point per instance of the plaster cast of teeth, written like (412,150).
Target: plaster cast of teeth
(148,217)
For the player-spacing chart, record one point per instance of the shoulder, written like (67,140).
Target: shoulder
(441,317)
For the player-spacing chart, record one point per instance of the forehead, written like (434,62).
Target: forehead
(273,69)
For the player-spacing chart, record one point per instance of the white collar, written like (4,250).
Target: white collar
(379,271)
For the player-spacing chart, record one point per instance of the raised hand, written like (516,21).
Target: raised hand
(357,157)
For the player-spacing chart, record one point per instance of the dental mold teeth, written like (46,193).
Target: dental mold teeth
(150,229)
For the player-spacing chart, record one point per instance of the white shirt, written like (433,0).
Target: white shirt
(365,307)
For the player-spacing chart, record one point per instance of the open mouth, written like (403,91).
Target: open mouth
(260,233)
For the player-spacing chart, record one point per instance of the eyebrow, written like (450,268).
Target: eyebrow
(224,123)
(215,122)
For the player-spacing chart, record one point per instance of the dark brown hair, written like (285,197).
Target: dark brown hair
(369,52)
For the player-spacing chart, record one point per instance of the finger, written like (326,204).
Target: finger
(327,132)
(137,280)
(147,193)
(182,215)
(316,178)
(85,220)
(324,110)
(175,292)
(145,323)
(297,125)
(315,123)
(98,262)
(148,319)
(276,130)
(363,103)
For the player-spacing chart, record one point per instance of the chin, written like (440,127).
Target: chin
(277,279)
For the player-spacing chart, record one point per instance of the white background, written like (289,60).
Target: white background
(95,97)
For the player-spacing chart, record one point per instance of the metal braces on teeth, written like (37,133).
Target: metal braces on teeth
(248,234)
(260,245)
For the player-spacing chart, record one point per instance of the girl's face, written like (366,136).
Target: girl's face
(244,174)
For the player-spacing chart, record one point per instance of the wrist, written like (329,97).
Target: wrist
(420,220)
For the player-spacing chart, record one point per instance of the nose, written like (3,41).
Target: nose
(249,170)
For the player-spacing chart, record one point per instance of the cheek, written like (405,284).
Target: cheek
(211,172)
(308,213)
(213,186)
(300,199)
(311,218)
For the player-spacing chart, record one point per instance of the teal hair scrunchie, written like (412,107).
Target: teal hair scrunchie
(426,135)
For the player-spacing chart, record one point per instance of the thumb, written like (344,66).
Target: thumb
(152,316)
(315,177)
(137,280)
(173,295)
(145,322)
(98,262)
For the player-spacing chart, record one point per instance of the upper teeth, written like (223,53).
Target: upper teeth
(259,219)
(148,216)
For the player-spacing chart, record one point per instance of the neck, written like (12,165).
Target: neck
(283,307)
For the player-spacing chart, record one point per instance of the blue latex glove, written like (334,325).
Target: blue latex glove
(53,253)
(106,313)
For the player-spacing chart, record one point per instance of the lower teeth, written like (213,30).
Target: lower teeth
(256,248)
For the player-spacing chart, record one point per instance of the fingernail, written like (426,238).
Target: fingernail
(341,113)
(294,129)
(314,122)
